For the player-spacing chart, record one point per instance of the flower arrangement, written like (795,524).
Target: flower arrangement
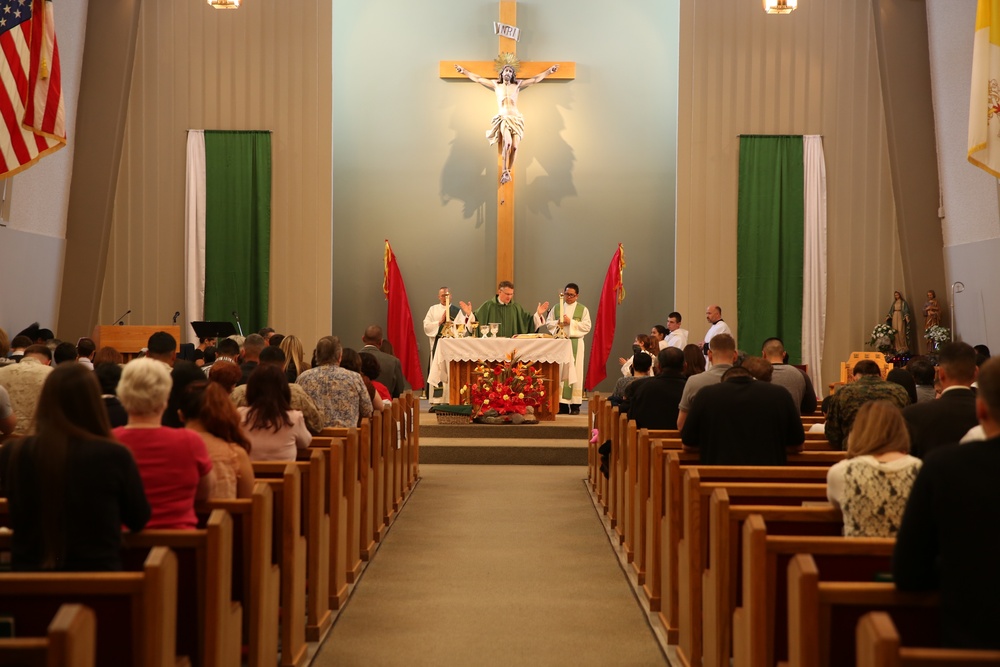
(882,337)
(505,388)
(937,334)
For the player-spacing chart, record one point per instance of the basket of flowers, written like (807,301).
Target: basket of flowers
(937,335)
(505,392)
(882,338)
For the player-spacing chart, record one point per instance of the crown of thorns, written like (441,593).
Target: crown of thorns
(506,60)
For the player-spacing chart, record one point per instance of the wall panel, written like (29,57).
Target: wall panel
(814,71)
(259,67)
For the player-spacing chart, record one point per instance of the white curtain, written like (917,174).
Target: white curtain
(194,229)
(814,260)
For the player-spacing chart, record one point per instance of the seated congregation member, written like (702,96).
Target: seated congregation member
(923,374)
(8,420)
(299,398)
(904,379)
(694,360)
(351,360)
(85,351)
(226,374)
(18,345)
(295,361)
(946,420)
(252,347)
(207,410)
(868,386)
(181,375)
(791,378)
(370,369)
(108,355)
(63,353)
(4,349)
(741,420)
(642,365)
(339,394)
(275,431)
(949,540)
(108,376)
(23,382)
(721,355)
(642,343)
(228,350)
(653,404)
(390,369)
(174,463)
(872,484)
(71,487)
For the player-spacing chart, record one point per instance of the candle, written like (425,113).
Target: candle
(562,307)
(447,307)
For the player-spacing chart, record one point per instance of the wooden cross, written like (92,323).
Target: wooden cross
(505,192)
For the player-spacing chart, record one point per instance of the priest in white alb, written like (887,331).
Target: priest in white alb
(573,318)
(434,321)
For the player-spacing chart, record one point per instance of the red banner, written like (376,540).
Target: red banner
(399,331)
(612,294)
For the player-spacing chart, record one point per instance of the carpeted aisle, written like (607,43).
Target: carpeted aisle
(494,565)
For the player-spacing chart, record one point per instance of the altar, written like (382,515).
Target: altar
(456,358)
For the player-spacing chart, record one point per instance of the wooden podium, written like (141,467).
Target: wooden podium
(130,340)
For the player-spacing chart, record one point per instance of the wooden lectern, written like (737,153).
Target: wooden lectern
(130,340)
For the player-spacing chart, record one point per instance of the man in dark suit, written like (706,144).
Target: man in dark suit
(945,420)
(653,403)
(949,539)
(391,371)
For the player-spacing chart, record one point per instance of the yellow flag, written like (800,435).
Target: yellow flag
(984,100)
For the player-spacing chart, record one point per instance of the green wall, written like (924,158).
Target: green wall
(411,162)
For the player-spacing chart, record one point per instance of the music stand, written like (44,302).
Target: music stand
(213,329)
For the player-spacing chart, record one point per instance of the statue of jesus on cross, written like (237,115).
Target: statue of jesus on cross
(507,128)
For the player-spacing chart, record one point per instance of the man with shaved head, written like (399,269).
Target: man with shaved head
(791,378)
(713,314)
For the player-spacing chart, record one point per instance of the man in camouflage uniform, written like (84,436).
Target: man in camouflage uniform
(868,385)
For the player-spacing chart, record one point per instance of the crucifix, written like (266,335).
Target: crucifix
(502,133)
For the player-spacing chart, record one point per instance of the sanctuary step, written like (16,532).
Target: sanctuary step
(559,442)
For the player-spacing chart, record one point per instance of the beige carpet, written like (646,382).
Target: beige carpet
(494,565)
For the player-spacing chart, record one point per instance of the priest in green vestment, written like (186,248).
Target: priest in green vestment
(512,317)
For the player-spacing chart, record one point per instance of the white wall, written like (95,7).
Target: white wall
(32,246)
(971,216)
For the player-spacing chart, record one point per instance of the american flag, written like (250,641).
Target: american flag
(31,100)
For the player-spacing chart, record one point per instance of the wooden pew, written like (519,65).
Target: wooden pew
(256,574)
(759,625)
(208,621)
(70,641)
(693,546)
(137,610)
(879,645)
(823,615)
(366,444)
(289,541)
(664,521)
(337,477)
(720,580)
(593,458)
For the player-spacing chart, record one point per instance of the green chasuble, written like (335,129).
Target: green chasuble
(512,317)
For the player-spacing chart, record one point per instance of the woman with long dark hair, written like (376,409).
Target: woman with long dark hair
(71,487)
(275,431)
(206,409)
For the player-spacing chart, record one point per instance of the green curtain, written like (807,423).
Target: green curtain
(237,227)
(770,243)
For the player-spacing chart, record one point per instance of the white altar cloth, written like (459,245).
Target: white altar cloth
(545,350)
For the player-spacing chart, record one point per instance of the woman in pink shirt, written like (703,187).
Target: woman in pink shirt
(174,464)
(276,432)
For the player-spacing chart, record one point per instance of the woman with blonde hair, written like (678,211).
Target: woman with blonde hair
(872,484)
(295,361)
(174,464)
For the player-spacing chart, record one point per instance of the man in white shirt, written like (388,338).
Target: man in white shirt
(433,323)
(677,337)
(714,316)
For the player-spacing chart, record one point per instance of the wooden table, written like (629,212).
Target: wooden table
(456,358)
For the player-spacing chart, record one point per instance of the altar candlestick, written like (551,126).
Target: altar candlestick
(447,307)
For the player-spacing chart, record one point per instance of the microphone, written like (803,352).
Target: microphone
(124,315)
(238,326)
(176,315)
